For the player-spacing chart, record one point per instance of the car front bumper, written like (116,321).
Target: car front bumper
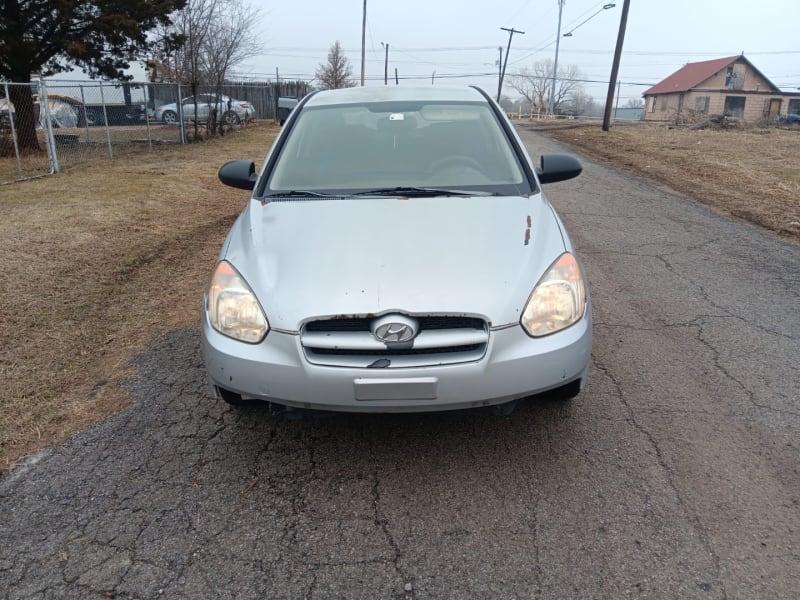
(514,366)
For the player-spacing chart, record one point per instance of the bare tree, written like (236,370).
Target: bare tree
(635,103)
(535,83)
(337,72)
(231,39)
(580,103)
(214,36)
(192,23)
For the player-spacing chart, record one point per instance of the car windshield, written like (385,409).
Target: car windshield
(357,148)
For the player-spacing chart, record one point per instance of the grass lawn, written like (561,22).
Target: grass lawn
(99,260)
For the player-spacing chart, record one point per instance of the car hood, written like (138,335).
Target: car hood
(317,258)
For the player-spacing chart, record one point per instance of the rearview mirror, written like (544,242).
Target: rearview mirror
(558,167)
(239,174)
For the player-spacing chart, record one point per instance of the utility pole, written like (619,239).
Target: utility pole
(555,62)
(511,33)
(623,23)
(363,41)
(499,73)
(386,65)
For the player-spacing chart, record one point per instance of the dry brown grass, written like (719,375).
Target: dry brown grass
(752,174)
(99,260)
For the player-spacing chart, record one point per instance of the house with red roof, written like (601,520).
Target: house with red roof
(732,86)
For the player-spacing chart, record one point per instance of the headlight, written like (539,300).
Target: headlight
(557,301)
(232,307)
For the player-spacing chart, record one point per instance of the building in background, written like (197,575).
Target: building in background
(730,86)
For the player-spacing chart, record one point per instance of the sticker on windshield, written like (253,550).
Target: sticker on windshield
(397,117)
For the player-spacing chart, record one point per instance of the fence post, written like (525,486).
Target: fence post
(105,119)
(85,114)
(52,154)
(147,116)
(181,124)
(13,129)
(277,101)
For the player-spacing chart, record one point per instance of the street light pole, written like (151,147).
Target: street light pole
(555,62)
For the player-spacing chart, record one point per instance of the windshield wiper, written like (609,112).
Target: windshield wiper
(300,194)
(420,192)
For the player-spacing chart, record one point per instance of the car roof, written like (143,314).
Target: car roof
(431,93)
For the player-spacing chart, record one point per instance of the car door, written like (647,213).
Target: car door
(205,103)
(187,106)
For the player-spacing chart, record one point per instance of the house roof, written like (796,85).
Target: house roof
(690,75)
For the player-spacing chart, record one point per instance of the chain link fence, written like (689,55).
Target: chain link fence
(47,126)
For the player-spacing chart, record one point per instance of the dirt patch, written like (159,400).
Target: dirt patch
(98,261)
(752,174)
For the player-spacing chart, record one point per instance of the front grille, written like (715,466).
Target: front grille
(426,323)
(397,351)
(441,340)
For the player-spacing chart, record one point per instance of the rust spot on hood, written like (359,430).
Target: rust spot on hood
(528,231)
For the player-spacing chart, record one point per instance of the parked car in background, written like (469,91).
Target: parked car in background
(789,118)
(397,255)
(229,110)
(285,107)
(62,114)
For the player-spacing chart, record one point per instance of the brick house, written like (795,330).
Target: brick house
(732,86)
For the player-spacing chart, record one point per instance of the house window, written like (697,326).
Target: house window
(652,104)
(734,77)
(794,107)
(701,103)
(734,106)
(663,103)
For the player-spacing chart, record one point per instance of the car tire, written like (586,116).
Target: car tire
(231,118)
(95,117)
(169,117)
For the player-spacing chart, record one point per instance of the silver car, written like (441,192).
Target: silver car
(229,110)
(397,255)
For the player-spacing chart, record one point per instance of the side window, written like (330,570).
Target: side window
(701,103)
(734,106)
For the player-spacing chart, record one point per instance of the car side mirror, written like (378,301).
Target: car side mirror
(558,167)
(239,174)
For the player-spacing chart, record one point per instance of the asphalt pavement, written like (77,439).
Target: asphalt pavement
(673,475)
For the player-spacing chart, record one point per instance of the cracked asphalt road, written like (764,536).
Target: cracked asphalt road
(674,475)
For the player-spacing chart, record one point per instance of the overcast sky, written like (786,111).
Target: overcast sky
(459,40)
